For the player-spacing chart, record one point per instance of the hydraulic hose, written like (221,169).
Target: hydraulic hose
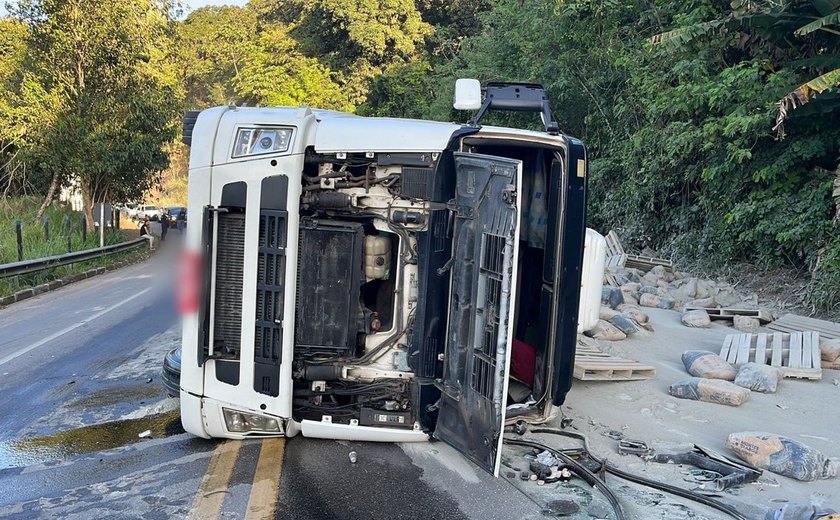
(578,468)
(674,490)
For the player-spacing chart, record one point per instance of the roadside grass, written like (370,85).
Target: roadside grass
(34,245)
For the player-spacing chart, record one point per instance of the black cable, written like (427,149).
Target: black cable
(580,469)
(680,492)
(674,490)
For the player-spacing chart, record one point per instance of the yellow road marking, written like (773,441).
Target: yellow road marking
(214,485)
(262,504)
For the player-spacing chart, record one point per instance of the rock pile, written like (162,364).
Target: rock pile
(669,290)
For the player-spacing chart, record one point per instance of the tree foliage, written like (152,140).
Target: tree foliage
(713,127)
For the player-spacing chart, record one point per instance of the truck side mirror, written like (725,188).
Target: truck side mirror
(467,94)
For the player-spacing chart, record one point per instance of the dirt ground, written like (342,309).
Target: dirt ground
(808,411)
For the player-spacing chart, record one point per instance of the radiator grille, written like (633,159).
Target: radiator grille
(230,252)
(489,301)
(271,268)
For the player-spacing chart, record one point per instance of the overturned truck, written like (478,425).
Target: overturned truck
(383,279)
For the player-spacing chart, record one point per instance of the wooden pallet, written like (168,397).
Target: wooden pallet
(794,323)
(796,354)
(618,257)
(593,365)
(728,313)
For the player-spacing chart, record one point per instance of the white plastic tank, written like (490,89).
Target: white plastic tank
(377,257)
(592,280)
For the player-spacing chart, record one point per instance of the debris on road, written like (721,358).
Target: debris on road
(794,323)
(696,318)
(802,512)
(593,365)
(745,323)
(702,363)
(782,455)
(144,434)
(796,354)
(710,391)
(353,457)
(717,472)
(758,378)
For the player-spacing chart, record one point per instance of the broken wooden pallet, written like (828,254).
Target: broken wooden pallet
(728,313)
(795,355)
(618,257)
(794,323)
(593,365)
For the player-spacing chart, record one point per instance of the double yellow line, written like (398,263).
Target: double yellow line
(262,502)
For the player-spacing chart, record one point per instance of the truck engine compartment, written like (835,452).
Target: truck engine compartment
(375,255)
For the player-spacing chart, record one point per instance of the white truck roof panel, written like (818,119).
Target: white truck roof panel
(340,133)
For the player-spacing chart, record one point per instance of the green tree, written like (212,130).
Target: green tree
(105,62)
(212,47)
(356,38)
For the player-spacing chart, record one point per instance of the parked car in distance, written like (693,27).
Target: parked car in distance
(176,215)
(147,211)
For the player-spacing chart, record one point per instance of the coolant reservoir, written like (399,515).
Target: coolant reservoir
(377,258)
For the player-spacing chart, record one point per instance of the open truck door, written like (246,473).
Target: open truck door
(479,338)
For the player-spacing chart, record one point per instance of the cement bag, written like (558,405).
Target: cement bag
(830,349)
(782,455)
(758,378)
(702,363)
(710,391)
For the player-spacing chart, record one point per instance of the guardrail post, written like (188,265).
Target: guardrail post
(19,240)
(46,230)
(84,229)
(69,233)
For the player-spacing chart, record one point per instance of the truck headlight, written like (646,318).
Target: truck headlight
(257,141)
(244,422)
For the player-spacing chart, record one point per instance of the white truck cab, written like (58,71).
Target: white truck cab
(383,279)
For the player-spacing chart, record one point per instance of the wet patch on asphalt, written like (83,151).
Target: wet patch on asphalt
(88,439)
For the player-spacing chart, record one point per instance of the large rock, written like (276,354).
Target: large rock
(607,313)
(606,331)
(634,313)
(624,324)
(697,318)
(704,289)
(663,274)
(706,303)
(745,323)
(686,290)
(649,279)
(612,296)
(728,297)
(758,378)
(630,290)
(651,300)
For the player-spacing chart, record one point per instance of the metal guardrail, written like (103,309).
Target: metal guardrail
(39,264)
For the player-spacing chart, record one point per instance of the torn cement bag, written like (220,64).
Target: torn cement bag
(782,455)
(830,349)
(702,363)
(801,512)
(758,378)
(710,391)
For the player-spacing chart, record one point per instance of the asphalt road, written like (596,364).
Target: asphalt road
(80,381)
